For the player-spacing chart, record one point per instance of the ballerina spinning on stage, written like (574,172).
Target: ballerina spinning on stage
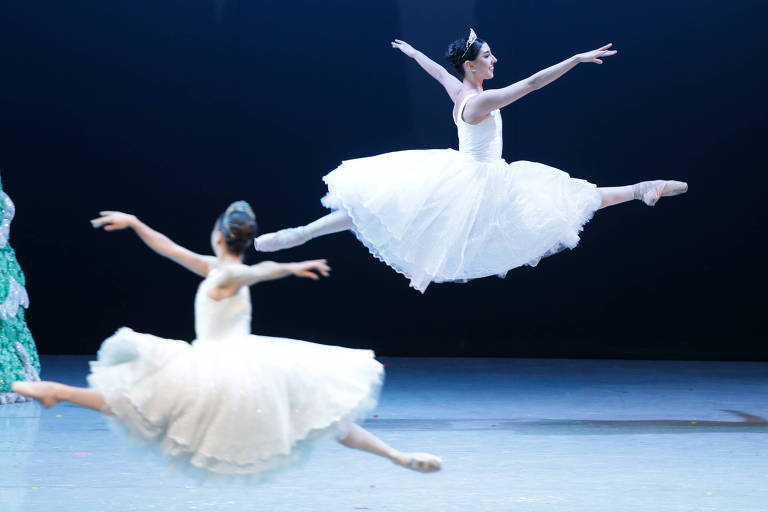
(231,403)
(444,215)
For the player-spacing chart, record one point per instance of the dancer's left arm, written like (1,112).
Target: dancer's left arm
(488,101)
(158,242)
(227,280)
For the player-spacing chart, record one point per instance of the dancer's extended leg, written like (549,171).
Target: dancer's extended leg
(361,439)
(291,237)
(51,393)
(647,191)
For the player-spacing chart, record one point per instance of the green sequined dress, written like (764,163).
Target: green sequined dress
(18,355)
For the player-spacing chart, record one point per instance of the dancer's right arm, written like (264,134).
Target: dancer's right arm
(158,242)
(227,280)
(435,70)
(246,275)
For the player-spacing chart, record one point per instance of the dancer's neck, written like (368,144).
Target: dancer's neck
(230,259)
(473,84)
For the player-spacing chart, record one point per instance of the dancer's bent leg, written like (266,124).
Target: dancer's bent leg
(51,393)
(647,191)
(291,237)
(361,439)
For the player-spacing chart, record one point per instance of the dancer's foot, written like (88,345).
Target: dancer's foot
(44,392)
(650,192)
(283,239)
(421,462)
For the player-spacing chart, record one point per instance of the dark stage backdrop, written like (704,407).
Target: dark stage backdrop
(172,109)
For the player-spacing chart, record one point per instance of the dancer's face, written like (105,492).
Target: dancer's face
(482,66)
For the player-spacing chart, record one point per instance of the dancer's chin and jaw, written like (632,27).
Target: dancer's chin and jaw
(482,67)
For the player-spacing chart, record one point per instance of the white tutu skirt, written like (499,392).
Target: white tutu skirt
(440,215)
(233,408)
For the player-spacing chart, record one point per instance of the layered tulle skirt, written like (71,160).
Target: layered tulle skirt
(237,407)
(440,215)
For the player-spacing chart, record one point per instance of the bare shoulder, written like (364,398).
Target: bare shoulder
(470,100)
(210,261)
(461,95)
(221,273)
(224,279)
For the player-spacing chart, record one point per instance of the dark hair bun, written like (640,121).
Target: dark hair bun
(458,53)
(238,224)
(455,51)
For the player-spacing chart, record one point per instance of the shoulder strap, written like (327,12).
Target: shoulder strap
(460,113)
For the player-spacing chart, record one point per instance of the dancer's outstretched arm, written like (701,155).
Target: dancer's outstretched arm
(158,242)
(486,102)
(438,72)
(227,280)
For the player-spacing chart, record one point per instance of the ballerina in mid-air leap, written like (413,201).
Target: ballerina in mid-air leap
(444,215)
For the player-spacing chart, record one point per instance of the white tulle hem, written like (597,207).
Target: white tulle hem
(233,422)
(440,216)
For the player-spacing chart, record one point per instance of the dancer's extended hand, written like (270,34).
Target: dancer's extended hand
(594,55)
(311,269)
(112,221)
(404,47)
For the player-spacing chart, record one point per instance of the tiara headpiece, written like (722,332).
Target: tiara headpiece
(470,41)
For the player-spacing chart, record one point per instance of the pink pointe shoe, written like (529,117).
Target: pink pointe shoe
(650,192)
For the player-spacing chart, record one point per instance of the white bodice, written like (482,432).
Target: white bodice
(222,319)
(482,141)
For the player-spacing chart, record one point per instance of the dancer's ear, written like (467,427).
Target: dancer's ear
(217,240)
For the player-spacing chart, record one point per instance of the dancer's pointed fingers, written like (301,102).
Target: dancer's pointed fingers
(322,267)
(97,223)
(606,46)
